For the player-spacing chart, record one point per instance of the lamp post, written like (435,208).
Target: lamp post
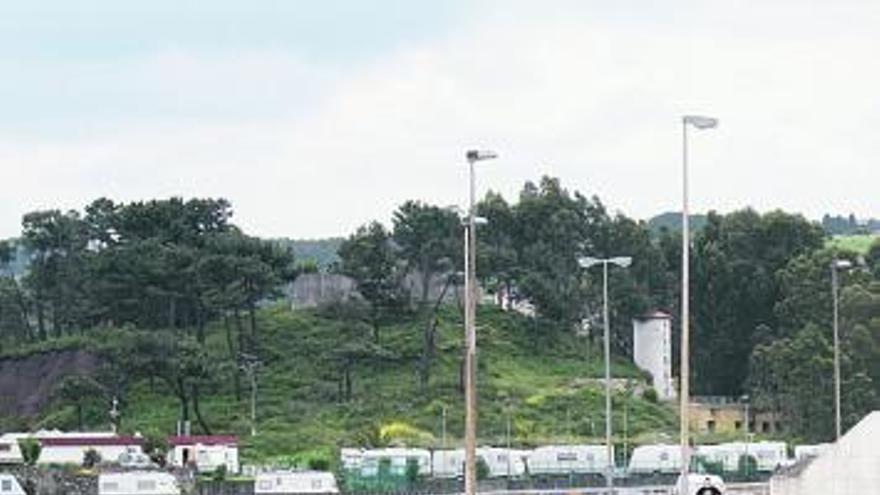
(470,310)
(249,364)
(586,263)
(699,122)
(836,267)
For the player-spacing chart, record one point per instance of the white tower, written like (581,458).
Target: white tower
(652,351)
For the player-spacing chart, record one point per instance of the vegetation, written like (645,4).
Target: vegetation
(177,302)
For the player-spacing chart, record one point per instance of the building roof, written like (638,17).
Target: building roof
(203,440)
(90,441)
(655,315)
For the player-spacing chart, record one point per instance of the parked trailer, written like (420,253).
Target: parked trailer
(655,459)
(397,459)
(500,462)
(768,455)
(566,459)
(138,483)
(9,485)
(295,483)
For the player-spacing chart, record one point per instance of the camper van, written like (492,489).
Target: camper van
(138,483)
(655,459)
(565,459)
(9,485)
(295,483)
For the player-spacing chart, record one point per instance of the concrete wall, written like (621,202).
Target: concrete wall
(851,466)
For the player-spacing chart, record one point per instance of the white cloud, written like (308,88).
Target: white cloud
(309,150)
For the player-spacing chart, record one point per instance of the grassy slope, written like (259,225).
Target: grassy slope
(541,381)
(857,243)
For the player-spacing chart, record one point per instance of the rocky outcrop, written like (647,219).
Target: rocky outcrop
(28,383)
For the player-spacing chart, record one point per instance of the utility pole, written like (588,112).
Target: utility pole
(470,292)
(249,364)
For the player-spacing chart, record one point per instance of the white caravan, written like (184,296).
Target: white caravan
(295,483)
(655,459)
(768,455)
(565,459)
(397,458)
(500,462)
(138,483)
(9,485)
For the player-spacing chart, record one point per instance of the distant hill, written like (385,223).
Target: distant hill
(671,220)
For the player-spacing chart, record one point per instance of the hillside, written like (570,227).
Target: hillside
(538,376)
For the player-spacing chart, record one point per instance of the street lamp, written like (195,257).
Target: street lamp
(470,316)
(586,263)
(699,122)
(249,364)
(836,267)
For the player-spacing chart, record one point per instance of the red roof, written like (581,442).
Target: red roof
(204,440)
(90,441)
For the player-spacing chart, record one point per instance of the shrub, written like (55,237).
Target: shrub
(412,470)
(30,451)
(91,458)
(650,395)
(156,447)
(219,473)
(482,469)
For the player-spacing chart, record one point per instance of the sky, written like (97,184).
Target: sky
(314,117)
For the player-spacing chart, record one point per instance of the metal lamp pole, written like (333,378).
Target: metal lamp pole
(836,266)
(700,122)
(470,309)
(623,262)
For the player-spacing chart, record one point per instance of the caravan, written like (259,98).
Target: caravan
(295,483)
(9,485)
(138,483)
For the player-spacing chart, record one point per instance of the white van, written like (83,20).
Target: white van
(295,483)
(138,483)
(9,485)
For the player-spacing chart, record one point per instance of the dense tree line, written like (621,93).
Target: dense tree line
(148,277)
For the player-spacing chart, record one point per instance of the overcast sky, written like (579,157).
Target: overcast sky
(314,117)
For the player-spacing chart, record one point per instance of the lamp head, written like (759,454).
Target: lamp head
(479,155)
(588,261)
(622,261)
(700,121)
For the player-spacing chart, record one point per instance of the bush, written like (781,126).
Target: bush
(412,470)
(650,395)
(91,458)
(219,473)
(318,463)
(156,447)
(30,451)
(482,469)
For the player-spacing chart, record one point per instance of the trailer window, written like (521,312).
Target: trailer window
(146,485)
(109,486)
(6,486)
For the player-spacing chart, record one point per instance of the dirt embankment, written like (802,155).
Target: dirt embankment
(28,383)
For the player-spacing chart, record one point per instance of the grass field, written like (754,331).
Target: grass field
(856,243)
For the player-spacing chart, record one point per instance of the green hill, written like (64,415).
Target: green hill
(539,377)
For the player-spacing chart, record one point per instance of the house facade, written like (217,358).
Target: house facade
(205,453)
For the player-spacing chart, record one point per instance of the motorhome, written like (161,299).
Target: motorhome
(295,483)
(138,483)
(9,485)
(566,459)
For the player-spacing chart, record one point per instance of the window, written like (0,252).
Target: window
(710,425)
(765,427)
(738,425)
(110,486)
(6,486)
(146,485)
(5,447)
(265,485)
(566,456)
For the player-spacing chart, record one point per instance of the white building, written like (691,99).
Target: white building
(204,452)
(10,453)
(849,466)
(72,449)
(9,485)
(138,483)
(295,483)
(652,351)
